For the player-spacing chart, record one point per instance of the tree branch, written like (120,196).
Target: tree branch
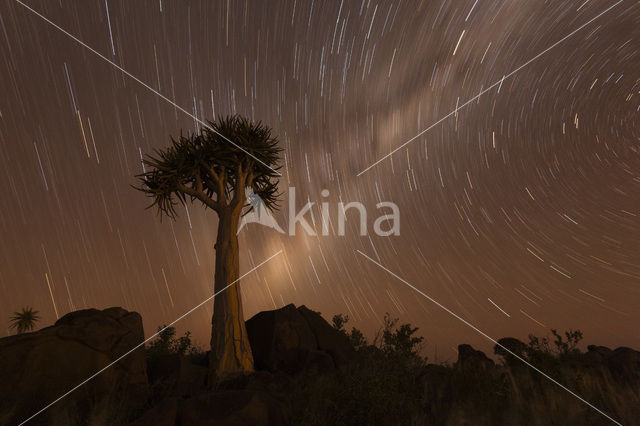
(222,187)
(240,184)
(200,195)
(212,172)
(199,182)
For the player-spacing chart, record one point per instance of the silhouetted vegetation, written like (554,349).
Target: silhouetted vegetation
(381,387)
(166,356)
(167,344)
(392,384)
(24,320)
(311,373)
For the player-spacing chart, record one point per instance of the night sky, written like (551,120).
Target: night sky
(519,212)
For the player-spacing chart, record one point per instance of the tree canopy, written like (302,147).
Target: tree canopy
(214,166)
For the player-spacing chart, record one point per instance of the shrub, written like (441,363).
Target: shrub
(165,357)
(400,341)
(356,337)
(168,344)
(570,346)
(382,387)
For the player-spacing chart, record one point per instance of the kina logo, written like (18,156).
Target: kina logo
(384,226)
(259,213)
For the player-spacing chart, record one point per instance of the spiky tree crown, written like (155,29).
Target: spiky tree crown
(214,166)
(25,320)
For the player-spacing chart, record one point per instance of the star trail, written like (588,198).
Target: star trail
(507,133)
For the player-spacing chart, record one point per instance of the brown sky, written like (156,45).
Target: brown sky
(519,213)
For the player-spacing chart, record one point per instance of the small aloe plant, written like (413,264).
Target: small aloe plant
(25,320)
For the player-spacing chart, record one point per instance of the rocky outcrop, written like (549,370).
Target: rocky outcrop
(512,346)
(293,340)
(473,360)
(280,339)
(623,363)
(297,353)
(328,339)
(179,376)
(285,343)
(39,367)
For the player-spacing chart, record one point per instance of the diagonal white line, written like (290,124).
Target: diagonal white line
(491,339)
(143,83)
(146,340)
(497,83)
(501,310)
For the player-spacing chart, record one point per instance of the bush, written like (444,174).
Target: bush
(570,346)
(356,337)
(165,356)
(400,341)
(167,344)
(382,387)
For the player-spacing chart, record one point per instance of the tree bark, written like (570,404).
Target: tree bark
(230,350)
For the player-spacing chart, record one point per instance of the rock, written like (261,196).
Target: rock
(280,340)
(163,367)
(471,359)
(177,375)
(39,367)
(329,339)
(436,381)
(624,364)
(596,355)
(241,407)
(512,344)
(319,362)
(601,351)
(192,378)
(295,340)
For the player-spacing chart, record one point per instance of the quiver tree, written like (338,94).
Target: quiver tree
(215,166)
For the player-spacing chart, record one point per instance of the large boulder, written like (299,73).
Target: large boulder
(177,375)
(470,359)
(39,367)
(294,340)
(624,364)
(598,353)
(513,346)
(280,339)
(437,384)
(329,339)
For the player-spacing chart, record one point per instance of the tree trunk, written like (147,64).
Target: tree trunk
(230,349)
